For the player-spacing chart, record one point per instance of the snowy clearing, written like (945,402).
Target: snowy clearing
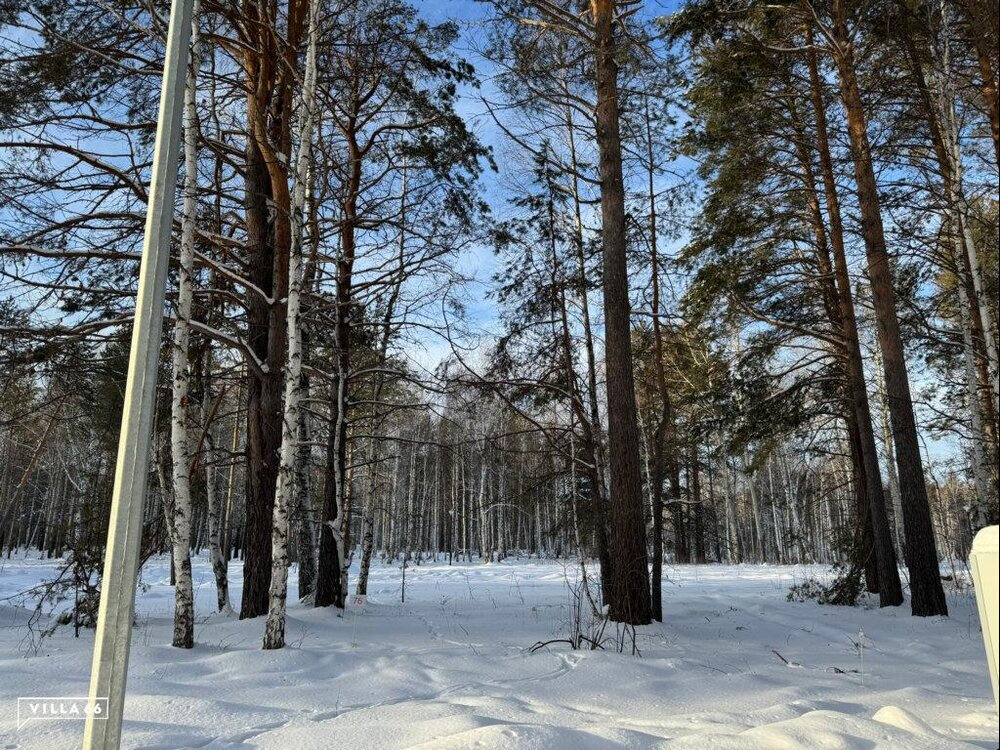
(451,668)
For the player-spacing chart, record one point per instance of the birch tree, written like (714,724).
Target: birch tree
(182,508)
(274,629)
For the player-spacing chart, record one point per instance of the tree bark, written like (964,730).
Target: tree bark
(182,508)
(630,591)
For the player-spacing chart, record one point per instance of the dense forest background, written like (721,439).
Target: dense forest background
(608,281)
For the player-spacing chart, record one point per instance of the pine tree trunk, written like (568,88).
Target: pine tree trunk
(629,600)
(263,428)
(921,550)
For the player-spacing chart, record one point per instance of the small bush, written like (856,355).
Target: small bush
(845,590)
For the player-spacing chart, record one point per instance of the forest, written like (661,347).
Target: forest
(631,285)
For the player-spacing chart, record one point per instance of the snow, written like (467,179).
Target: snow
(452,668)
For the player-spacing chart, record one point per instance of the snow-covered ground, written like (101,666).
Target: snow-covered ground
(451,668)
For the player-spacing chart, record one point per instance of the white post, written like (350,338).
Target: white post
(986,576)
(121,560)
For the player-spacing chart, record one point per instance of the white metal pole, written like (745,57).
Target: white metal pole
(114,623)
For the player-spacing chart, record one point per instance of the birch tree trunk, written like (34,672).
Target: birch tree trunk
(181,508)
(305,514)
(274,628)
